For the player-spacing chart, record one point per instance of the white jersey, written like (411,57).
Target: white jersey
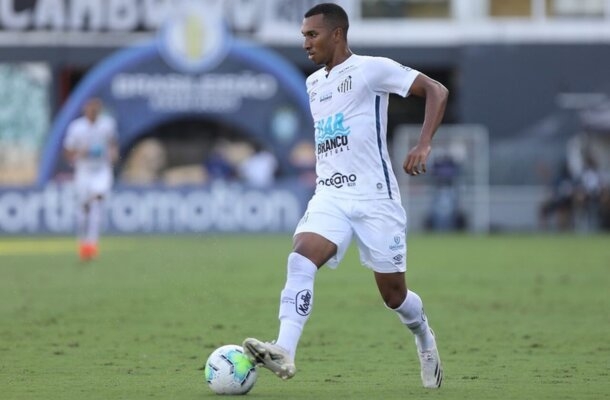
(349,109)
(93,138)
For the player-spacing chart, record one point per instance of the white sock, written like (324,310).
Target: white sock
(411,313)
(296,301)
(94,221)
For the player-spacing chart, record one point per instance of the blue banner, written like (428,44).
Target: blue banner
(217,208)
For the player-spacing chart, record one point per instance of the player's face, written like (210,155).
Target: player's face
(92,109)
(319,40)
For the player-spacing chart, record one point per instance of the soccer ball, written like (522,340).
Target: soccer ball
(229,371)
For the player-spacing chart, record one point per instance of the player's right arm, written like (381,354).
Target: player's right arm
(72,152)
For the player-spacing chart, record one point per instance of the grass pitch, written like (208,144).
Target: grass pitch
(516,317)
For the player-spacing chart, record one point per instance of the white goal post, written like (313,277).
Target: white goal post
(454,193)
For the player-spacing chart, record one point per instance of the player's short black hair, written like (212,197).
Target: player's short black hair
(334,14)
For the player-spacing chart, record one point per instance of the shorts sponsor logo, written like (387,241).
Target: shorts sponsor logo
(397,258)
(303,302)
(398,244)
(338,180)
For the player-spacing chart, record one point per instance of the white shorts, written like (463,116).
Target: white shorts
(379,227)
(90,185)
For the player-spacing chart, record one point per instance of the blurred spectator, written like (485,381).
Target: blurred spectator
(604,208)
(303,158)
(145,163)
(445,213)
(559,202)
(587,196)
(259,169)
(217,164)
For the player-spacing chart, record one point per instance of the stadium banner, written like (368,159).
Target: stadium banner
(107,17)
(24,119)
(218,208)
(193,70)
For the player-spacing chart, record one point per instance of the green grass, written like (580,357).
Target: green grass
(517,317)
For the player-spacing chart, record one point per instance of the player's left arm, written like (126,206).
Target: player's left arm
(113,144)
(436,100)
(113,153)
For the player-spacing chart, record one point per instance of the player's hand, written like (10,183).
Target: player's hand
(415,163)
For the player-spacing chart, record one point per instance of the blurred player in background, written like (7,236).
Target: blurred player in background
(90,146)
(357,193)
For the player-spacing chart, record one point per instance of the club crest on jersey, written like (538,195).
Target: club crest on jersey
(346,85)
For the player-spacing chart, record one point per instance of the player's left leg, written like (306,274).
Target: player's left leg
(98,188)
(410,310)
(81,188)
(82,227)
(96,208)
(381,238)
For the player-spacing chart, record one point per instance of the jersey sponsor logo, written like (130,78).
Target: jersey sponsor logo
(345,86)
(338,180)
(402,66)
(303,302)
(331,135)
(312,96)
(348,68)
(326,96)
(336,145)
(97,151)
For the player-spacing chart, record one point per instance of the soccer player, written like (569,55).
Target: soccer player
(357,193)
(90,146)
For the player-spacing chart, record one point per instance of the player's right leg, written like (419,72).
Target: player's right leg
(313,246)
(295,307)
(270,356)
